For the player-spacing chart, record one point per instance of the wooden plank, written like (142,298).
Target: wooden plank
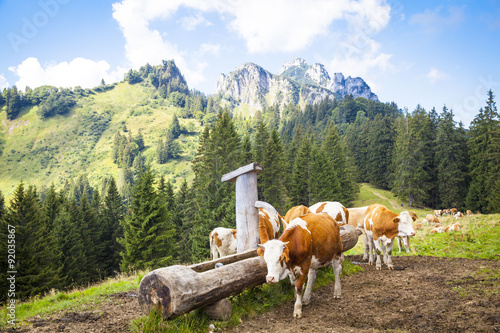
(207,265)
(231,176)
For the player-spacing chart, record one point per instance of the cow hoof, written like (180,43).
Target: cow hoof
(336,296)
(365,257)
(379,268)
(297,314)
(391,267)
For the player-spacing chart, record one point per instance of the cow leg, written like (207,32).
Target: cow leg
(407,244)
(399,243)
(370,249)
(367,246)
(389,253)
(378,250)
(382,245)
(311,277)
(214,253)
(299,288)
(337,269)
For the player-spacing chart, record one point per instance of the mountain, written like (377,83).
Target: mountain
(297,82)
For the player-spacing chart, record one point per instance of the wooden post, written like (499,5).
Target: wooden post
(247,217)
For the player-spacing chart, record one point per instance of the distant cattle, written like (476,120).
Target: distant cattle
(458,215)
(431,219)
(334,209)
(438,213)
(445,212)
(222,242)
(453,211)
(469,213)
(382,226)
(309,242)
(437,230)
(453,227)
(294,212)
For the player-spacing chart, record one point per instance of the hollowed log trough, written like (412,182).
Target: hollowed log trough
(178,289)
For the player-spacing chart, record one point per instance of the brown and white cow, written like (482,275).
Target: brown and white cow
(333,208)
(437,230)
(356,218)
(309,242)
(431,219)
(269,221)
(453,211)
(438,213)
(381,227)
(222,242)
(458,215)
(469,212)
(294,212)
(453,227)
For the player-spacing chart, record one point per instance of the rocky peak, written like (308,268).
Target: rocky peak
(297,62)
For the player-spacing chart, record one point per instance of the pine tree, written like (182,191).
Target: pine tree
(484,157)
(91,232)
(147,231)
(259,152)
(452,156)
(300,191)
(332,147)
(324,183)
(112,219)
(380,137)
(274,174)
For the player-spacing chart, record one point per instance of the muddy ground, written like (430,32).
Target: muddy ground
(423,294)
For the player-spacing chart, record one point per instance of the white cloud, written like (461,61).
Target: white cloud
(3,83)
(208,48)
(435,75)
(79,72)
(265,26)
(434,20)
(191,22)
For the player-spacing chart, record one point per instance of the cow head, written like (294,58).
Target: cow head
(276,255)
(405,227)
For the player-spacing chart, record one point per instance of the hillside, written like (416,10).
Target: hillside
(42,152)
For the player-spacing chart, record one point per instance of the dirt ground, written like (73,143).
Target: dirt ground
(423,294)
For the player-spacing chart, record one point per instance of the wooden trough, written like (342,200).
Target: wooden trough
(176,290)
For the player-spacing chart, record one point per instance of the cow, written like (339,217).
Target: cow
(437,230)
(445,212)
(453,211)
(294,212)
(438,213)
(381,227)
(469,212)
(458,215)
(453,227)
(333,208)
(222,242)
(269,221)
(308,242)
(431,219)
(405,240)
(356,217)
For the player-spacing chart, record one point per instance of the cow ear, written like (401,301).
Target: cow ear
(285,256)
(414,218)
(260,250)
(396,220)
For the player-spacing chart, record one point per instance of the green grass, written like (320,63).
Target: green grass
(77,299)
(41,152)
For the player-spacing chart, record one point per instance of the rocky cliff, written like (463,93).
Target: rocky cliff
(297,82)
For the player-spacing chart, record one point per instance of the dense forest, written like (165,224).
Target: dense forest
(82,233)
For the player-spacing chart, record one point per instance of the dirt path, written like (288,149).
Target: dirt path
(424,294)
(392,202)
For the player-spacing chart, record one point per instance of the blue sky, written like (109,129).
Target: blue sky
(432,53)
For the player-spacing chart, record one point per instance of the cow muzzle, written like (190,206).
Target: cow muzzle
(271,279)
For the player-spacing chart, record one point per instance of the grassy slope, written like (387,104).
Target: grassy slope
(42,152)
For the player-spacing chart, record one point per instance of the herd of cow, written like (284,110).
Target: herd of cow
(311,239)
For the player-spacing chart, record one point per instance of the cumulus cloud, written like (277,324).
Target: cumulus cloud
(265,27)
(3,82)
(434,75)
(78,72)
